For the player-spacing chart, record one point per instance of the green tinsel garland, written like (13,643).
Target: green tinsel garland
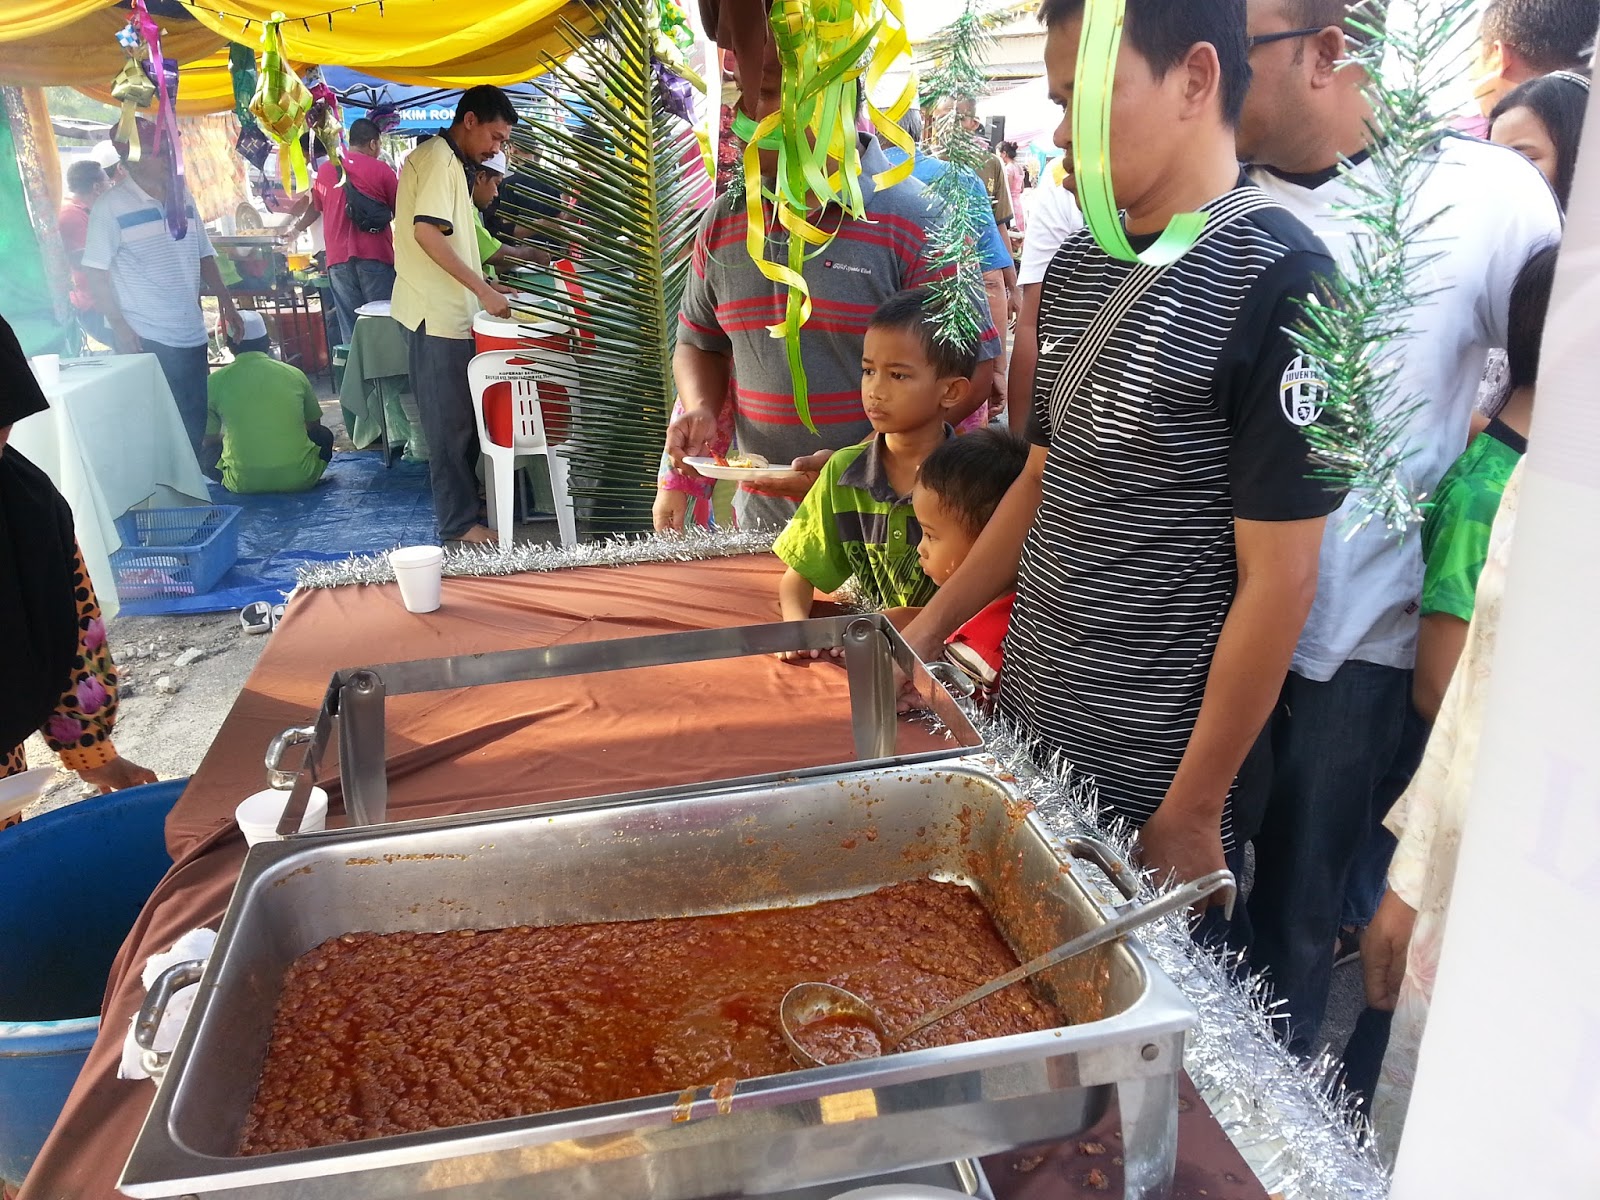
(1355,335)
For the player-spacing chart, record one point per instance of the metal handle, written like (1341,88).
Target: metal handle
(953,679)
(148,1023)
(1113,864)
(277,777)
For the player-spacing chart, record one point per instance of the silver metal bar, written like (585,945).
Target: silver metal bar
(619,654)
(363,749)
(871,670)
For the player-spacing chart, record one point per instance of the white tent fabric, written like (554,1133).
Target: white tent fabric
(1031,116)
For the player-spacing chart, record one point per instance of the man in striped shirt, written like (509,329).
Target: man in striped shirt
(728,305)
(1163,539)
(147,283)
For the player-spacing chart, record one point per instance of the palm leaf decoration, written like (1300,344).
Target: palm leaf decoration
(622,174)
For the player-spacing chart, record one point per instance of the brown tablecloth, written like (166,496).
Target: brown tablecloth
(464,751)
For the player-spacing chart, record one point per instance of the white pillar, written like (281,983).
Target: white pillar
(1507,1097)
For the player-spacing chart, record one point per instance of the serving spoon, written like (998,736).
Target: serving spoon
(808,1005)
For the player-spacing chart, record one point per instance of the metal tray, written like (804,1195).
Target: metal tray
(678,853)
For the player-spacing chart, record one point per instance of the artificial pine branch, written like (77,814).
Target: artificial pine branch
(958,53)
(1355,335)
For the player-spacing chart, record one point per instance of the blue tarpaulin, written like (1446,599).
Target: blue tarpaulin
(358,508)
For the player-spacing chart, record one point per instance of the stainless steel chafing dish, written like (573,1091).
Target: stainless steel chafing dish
(679,852)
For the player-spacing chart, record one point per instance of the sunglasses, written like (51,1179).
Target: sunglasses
(1267,38)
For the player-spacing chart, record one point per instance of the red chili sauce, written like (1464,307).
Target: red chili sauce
(379,1034)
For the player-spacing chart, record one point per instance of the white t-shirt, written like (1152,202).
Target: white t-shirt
(1053,218)
(1495,210)
(156,278)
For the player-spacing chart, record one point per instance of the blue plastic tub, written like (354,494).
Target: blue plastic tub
(175,551)
(75,880)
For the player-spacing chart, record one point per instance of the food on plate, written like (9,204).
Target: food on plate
(388,1033)
(740,462)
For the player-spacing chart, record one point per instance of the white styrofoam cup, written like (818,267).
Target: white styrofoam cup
(419,572)
(258,815)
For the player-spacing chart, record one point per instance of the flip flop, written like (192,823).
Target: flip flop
(256,617)
(277,615)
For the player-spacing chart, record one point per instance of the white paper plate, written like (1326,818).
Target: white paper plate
(709,468)
(375,308)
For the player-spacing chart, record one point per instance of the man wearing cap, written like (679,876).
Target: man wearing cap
(263,418)
(439,288)
(147,283)
(496,255)
(110,160)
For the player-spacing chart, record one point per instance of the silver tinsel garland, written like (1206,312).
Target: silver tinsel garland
(1291,1121)
(690,546)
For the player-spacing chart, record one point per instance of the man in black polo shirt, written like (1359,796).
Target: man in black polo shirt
(1163,539)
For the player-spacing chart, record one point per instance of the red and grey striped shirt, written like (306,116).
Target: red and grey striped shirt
(728,305)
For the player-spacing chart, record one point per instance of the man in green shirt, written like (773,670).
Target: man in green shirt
(496,255)
(264,417)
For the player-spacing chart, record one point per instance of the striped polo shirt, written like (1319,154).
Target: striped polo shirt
(853,524)
(156,277)
(728,305)
(1191,418)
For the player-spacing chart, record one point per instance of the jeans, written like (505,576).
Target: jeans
(444,402)
(1341,754)
(187,371)
(355,282)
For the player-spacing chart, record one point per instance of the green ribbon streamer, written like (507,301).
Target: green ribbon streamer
(1091,145)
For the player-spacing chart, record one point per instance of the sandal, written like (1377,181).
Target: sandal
(256,617)
(277,615)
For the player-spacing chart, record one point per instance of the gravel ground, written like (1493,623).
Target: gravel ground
(169,733)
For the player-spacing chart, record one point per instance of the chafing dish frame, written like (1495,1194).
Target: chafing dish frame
(873,651)
(996,1094)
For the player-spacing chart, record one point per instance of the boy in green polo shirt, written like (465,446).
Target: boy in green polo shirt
(264,417)
(857,518)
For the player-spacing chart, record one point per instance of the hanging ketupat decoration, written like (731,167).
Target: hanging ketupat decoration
(822,46)
(281,104)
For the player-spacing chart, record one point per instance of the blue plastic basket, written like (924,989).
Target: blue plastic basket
(175,551)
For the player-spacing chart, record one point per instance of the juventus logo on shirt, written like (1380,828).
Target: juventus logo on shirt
(1301,391)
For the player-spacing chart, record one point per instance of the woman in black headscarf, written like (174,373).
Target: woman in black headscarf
(56,672)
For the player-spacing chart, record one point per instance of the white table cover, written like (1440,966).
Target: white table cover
(112,440)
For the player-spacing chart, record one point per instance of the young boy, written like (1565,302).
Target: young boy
(958,489)
(857,519)
(264,430)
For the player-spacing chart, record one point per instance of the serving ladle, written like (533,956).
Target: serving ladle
(807,1005)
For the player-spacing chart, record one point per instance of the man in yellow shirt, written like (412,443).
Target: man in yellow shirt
(263,416)
(439,288)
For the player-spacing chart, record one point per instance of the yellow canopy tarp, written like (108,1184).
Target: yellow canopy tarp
(24,19)
(419,42)
(205,86)
(423,43)
(83,52)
